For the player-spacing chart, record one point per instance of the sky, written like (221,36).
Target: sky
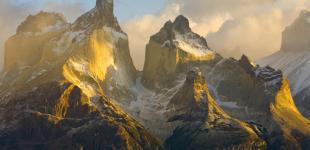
(231,27)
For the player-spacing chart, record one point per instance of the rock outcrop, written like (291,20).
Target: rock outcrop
(26,47)
(60,116)
(296,36)
(264,95)
(205,125)
(74,86)
(92,53)
(175,48)
(59,93)
(294,60)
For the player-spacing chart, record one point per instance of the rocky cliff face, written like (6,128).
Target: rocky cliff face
(175,48)
(294,60)
(30,38)
(205,125)
(59,86)
(74,86)
(296,36)
(60,116)
(91,53)
(263,96)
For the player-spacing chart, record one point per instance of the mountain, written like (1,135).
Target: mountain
(175,48)
(294,60)
(74,52)
(74,86)
(261,95)
(205,125)
(61,81)
(58,115)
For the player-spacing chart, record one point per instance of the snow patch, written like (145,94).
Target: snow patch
(36,75)
(115,34)
(294,65)
(188,43)
(66,41)
(58,26)
(219,101)
(150,109)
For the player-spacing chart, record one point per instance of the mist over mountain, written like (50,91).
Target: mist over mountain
(293,59)
(74,86)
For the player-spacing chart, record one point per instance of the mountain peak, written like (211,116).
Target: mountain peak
(181,24)
(194,101)
(247,63)
(102,15)
(105,4)
(296,36)
(41,21)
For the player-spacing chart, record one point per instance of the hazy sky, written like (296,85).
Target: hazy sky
(13,12)
(232,27)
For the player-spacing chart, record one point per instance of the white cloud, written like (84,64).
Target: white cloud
(253,27)
(11,15)
(140,29)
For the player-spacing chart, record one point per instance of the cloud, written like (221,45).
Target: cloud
(140,29)
(232,27)
(256,36)
(253,27)
(13,12)
(258,32)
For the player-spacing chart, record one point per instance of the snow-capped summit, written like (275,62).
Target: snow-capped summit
(175,48)
(181,24)
(179,34)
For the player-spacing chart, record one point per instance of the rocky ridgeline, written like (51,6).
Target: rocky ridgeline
(296,36)
(73,52)
(294,59)
(175,49)
(60,116)
(205,125)
(59,81)
(64,96)
(263,96)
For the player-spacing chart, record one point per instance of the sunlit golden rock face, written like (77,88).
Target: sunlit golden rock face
(92,53)
(264,97)
(205,125)
(174,49)
(60,116)
(294,127)
(293,60)
(26,47)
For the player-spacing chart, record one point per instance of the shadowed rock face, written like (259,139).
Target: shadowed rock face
(265,96)
(60,99)
(101,15)
(296,36)
(60,116)
(25,47)
(294,60)
(175,49)
(92,53)
(205,125)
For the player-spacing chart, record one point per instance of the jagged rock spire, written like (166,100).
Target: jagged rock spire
(107,5)
(181,24)
(102,15)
